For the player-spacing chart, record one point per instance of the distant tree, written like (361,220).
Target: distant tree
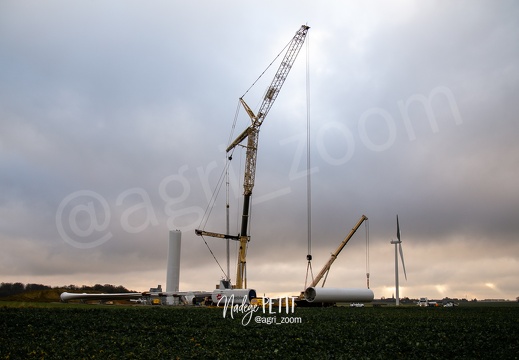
(121,289)
(108,288)
(17,288)
(8,289)
(66,287)
(517,298)
(5,289)
(35,287)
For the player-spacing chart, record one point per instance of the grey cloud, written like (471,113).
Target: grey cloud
(123,96)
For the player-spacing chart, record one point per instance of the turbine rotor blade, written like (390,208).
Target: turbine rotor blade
(397,229)
(402,258)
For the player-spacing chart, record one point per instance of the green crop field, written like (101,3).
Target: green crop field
(67,331)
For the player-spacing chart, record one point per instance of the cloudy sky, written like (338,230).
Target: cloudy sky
(114,116)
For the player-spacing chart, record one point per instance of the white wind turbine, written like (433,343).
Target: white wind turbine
(398,243)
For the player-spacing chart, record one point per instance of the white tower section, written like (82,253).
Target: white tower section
(173,273)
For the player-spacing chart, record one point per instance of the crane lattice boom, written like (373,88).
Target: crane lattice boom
(251,133)
(270,96)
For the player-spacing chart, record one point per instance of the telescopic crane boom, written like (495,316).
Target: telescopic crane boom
(251,134)
(326,268)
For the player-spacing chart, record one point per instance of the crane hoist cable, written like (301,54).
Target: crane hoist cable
(208,210)
(210,204)
(308,150)
(224,177)
(309,270)
(264,71)
(231,135)
(214,257)
(367,252)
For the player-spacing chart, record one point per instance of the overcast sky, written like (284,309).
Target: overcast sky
(114,116)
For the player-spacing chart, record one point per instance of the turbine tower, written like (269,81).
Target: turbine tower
(398,244)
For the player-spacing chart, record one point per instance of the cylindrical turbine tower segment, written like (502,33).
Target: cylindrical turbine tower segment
(173,272)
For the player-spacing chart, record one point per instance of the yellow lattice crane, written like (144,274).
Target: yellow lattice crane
(326,268)
(251,134)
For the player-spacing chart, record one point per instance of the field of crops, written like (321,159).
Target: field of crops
(116,332)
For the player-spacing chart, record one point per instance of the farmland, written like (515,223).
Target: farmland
(61,331)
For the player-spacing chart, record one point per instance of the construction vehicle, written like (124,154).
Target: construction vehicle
(251,133)
(155,301)
(326,268)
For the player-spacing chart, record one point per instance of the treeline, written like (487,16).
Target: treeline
(8,289)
